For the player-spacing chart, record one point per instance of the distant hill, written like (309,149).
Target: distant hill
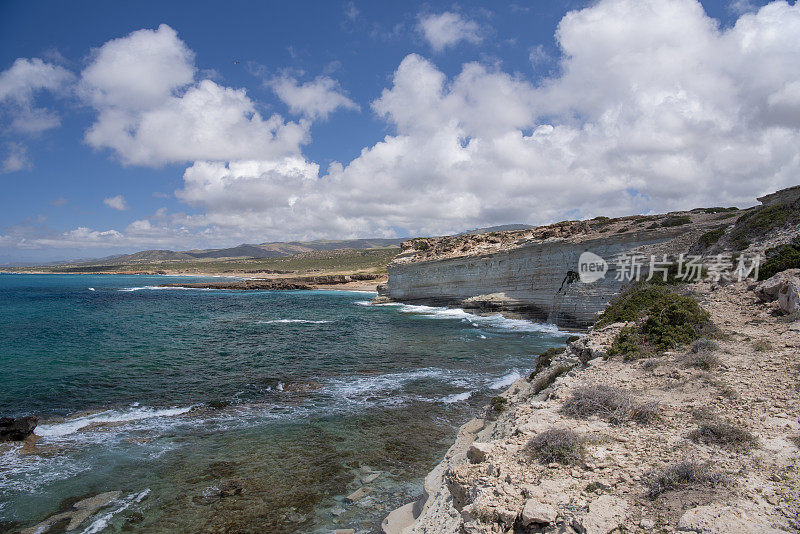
(245,250)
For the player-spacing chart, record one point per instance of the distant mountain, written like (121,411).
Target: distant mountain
(501,228)
(263,250)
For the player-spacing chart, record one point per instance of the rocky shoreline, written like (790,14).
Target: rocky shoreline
(662,475)
(329,281)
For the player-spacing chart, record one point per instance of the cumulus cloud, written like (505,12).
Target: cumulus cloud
(152,110)
(448,29)
(116,202)
(654,108)
(314,99)
(19,85)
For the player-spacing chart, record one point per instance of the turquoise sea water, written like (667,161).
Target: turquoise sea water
(294,397)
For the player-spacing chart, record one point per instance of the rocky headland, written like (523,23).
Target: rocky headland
(533,272)
(677,412)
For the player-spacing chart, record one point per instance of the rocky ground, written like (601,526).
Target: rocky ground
(696,442)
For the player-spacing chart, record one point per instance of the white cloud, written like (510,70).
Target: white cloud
(16,158)
(314,99)
(654,108)
(151,111)
(116,202)
(18,87)
(448,29)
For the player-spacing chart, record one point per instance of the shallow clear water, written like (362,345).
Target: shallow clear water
(295,397)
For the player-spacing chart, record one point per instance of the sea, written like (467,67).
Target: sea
(232,411)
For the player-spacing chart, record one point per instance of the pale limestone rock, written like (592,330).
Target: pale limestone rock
(789,296)
(605,514)
(718,519)
(537,512)
(478,452)
(769,289)
(360,493)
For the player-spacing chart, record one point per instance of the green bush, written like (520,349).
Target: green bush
(498,404)
(570,339)
(421,245)
(710,238)
(779,259)
(676,220)
(544,360)
(665,320)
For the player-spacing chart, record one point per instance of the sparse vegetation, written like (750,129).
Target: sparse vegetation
(757,222)
(675,220)
(557,445)
(719,209)
(498,404)
(570,339)
(547,379)
(779,259)
(679,475)
(544,360)
(762,345)
(421,244)
(724,434)
(703,345)
(706,361)
(613,404)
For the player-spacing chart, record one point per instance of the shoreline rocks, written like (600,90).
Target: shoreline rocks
(17,429)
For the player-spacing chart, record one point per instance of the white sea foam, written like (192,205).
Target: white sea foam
(491,321)
(91,289)
(70,426)
(99,524)
(506,380)
(278,321)
(457,397)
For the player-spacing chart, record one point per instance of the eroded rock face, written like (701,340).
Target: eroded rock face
(789,296)
(17,429)
(538,280)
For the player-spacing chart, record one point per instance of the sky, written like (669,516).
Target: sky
(175,125)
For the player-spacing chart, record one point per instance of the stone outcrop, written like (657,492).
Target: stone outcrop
(784,287)
(489,482)
(17,429)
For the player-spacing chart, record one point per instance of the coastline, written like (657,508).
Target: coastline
(486,481)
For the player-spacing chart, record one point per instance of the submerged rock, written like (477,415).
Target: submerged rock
(17,429)
(80,512)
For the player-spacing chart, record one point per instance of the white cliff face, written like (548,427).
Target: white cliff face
(538,279)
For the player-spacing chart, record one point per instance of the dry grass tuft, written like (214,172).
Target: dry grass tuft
(762,345)
(557,445)
(724,434)
(680,475)
(614,404)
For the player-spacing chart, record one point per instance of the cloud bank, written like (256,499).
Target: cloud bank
(654,108)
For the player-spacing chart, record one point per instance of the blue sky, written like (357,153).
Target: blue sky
(396,104)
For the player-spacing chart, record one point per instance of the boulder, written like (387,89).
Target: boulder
(538,513)
(718,519)
(769,290)
(478,452)
(605,515)
(17,429)
(789,296)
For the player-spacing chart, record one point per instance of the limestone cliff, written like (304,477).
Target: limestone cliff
(534,272)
